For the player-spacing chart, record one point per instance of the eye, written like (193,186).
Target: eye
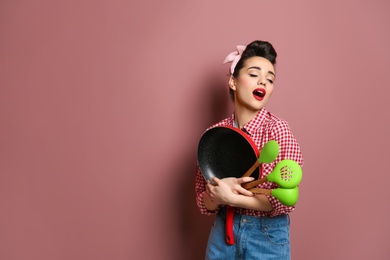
(270,81)
(252,75)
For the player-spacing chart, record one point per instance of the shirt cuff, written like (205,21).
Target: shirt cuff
(202,207)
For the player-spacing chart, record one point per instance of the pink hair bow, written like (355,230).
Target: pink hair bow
(234,57)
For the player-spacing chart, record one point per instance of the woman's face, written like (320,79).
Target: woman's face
(254,85)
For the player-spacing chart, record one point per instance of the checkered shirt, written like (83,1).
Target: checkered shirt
(263,127)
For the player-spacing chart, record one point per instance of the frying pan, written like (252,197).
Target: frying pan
(224,151)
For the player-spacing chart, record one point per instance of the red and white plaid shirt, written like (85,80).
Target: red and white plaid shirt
(262,128)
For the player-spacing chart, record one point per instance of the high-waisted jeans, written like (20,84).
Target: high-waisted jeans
(262,238)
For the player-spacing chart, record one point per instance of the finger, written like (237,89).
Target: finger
(208,190)
(245,192)
(208,187)
(245,179)
(216,181)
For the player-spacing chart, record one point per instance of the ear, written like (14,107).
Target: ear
(232,83)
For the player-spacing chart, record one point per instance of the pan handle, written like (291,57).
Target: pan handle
(229,225)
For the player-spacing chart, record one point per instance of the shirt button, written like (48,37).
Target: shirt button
(244,220)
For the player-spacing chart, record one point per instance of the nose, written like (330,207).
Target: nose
(262,81)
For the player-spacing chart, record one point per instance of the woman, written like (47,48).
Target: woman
(261,222)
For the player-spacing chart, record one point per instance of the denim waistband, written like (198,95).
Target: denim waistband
(256,220)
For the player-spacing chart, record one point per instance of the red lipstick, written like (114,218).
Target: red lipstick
(259,93)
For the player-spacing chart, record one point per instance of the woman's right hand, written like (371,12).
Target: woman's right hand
(225,190)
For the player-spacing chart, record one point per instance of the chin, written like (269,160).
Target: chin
(259,106)
(255,108)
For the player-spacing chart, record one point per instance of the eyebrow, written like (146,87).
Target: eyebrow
(258,68)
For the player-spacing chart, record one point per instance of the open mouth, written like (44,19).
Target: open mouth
(259,93)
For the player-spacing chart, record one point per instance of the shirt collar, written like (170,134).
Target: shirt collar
(254,123)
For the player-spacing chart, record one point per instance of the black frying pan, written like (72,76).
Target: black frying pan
(223,152)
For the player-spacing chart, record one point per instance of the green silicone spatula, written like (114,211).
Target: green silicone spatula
(287,174)
(287,197)
(268,154)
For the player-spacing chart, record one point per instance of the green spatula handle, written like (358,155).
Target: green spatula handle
(252,184)
(268,154)
(261,191)
(251,169)
(287,197)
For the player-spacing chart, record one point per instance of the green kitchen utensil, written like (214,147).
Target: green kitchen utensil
(287,174)
(268,154)
(287,197)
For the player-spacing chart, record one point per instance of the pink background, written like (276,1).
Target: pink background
(102,104)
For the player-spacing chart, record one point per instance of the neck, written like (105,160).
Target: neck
(243,116)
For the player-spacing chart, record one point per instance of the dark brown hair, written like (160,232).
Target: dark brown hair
(256,48)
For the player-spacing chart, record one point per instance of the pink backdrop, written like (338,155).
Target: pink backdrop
(102,104)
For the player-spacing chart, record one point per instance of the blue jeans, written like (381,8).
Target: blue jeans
(260,238)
